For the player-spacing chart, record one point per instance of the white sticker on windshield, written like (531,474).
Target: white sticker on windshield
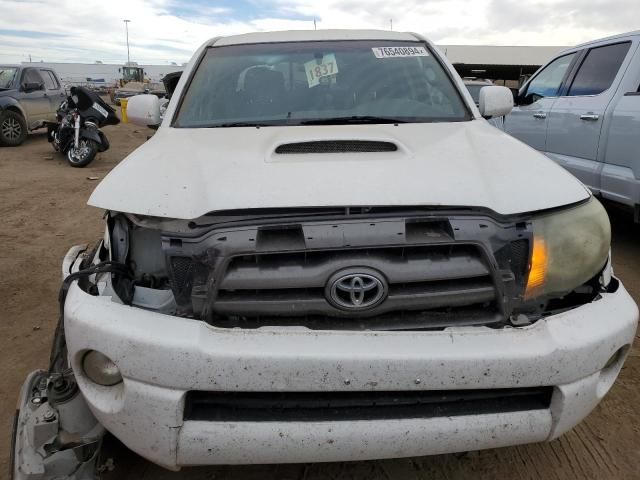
(399,52)
(316,70)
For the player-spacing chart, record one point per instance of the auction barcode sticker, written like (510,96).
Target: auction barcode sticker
(399,52)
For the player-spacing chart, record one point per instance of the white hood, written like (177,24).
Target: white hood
(186,173)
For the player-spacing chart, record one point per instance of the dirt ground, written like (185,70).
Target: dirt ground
(43,212)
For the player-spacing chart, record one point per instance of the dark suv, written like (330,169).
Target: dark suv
(28,96)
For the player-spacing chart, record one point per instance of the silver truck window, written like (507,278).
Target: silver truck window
(548,81)
(49,78)
(305,82)
(31,75)
(598,69)
(49,81)
(474,90)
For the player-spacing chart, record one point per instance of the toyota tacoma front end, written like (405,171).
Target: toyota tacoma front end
(283,282)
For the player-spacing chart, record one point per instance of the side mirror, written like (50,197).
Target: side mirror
(495,101)
(32,87)
(144,110)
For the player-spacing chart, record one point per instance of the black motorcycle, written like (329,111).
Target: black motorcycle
(77,130)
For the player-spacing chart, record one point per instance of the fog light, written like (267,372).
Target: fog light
(100,369)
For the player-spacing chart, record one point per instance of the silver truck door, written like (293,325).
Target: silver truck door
(576,118)
(34,101)
(528,120)
(54,92)
(621,171)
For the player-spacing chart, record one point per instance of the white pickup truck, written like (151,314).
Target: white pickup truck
(582,109)
(326,253)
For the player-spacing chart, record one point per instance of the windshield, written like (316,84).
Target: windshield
(319,82)
(7,75)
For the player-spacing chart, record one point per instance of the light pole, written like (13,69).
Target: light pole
(126,27)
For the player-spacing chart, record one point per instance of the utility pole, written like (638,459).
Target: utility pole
(126,27)
(391,23)
(314,24)
(29,58)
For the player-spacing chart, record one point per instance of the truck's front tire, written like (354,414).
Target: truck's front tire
(58,361)
(13,129)
(14,434)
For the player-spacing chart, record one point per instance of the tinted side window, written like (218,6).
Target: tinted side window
(31,76)
(548,81)
(50,81)
(598,69)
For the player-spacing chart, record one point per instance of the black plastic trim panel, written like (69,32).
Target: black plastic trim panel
(336,146)
(435,266)
(347,406)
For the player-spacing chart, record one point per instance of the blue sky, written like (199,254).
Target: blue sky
(238,10)
(29,34)
(165,31)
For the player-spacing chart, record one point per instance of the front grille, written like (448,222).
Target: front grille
(346,406)
(428,278)
(336,146)
(431,271)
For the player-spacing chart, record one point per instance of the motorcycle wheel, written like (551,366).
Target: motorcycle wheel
(84,154)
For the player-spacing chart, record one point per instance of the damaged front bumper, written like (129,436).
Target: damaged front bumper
(166,360)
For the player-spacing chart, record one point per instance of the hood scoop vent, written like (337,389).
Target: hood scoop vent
(336,146)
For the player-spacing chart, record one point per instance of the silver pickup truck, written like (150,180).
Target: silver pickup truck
(582,109)
(28,97)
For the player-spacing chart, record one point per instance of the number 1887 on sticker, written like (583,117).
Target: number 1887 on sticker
(315,71)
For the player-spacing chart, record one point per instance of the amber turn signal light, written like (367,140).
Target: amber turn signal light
(537,269)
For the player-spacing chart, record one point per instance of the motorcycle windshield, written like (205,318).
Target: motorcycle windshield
(92,107)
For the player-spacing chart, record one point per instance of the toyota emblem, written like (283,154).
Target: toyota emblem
(356,289)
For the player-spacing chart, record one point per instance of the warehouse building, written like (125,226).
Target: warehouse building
(508,65)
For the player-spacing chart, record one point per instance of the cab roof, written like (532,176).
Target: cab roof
(312,35)
(620,36)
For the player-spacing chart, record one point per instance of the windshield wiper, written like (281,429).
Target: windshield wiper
(240,124)
(354,119)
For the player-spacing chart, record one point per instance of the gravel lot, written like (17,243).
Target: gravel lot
(43,213)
